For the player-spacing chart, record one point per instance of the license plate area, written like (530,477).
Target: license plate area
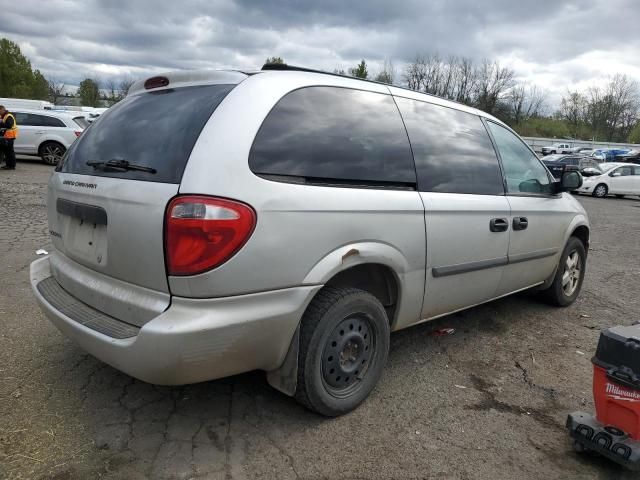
(84,231)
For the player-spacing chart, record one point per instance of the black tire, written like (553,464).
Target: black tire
(340,320)
(600,191)
(558,294)
(619,196)
(51,152)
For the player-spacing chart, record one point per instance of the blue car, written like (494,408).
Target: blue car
(609,154)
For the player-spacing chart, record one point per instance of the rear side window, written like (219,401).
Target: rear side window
(334,135)
(81,121)
(51,121)
(452,150)
(152,129)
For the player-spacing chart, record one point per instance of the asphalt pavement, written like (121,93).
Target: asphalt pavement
(486,402)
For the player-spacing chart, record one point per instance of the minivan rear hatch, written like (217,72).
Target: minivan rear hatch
(107,200)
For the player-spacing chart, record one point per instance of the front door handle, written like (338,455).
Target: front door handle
(520,223)
(498,225)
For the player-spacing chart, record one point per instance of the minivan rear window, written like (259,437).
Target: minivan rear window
(156,129)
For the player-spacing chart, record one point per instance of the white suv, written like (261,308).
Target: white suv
(47,134)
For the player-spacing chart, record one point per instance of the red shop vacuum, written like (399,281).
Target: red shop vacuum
(614,432)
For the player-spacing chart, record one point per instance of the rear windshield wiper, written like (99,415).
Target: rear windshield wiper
(122,165)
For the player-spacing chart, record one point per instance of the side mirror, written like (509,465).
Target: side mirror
(615,174)
(570,181)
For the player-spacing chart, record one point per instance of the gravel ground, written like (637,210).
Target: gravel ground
(489,401)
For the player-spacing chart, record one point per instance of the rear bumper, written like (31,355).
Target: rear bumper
(194,340)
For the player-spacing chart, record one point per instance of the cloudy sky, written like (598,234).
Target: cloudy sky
(552,43)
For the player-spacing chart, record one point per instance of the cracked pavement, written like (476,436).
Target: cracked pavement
(489,401)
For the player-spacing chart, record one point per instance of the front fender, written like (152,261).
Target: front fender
(579,220)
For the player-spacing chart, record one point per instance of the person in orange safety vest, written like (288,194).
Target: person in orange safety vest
(9,125)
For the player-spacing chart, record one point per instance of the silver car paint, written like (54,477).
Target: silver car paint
(544,237)
(243,314)
(298,226)
(122,300)
(458,233)
(194,340)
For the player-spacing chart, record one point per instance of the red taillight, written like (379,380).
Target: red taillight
(204,232)
(78,133)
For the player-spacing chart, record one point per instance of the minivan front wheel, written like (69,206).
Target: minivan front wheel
(569,276)
(344,343)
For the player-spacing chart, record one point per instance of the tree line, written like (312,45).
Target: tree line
(609,112)
(601,113)
(19,80)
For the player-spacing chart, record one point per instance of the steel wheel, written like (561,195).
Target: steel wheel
(600,191)
(571,274)
(347,354)
(52,153)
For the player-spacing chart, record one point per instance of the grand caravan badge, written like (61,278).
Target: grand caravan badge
(74,183)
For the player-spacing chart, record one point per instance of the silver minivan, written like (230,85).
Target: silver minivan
(288,220)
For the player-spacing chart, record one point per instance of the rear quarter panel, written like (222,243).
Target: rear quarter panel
(301,230)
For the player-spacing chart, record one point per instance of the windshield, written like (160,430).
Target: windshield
(156,130)
(605,167)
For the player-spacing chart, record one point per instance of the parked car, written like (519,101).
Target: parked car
(556,148)
(632,156)
(582,150)
(608,154)
(46,133)
(618,179)
(293,221)
(557,164)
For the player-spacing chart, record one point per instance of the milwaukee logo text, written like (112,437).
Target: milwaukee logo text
(618,393)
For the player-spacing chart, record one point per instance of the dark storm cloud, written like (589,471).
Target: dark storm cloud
(546,41)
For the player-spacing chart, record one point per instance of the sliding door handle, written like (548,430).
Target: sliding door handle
(520,223)
(498,225)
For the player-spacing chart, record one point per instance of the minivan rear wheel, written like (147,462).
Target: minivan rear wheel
(344,343)
(569,276)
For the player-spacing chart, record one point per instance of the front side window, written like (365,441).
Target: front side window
(452,150)
(624,171)
(523,171)
(334,135)
(27,120)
